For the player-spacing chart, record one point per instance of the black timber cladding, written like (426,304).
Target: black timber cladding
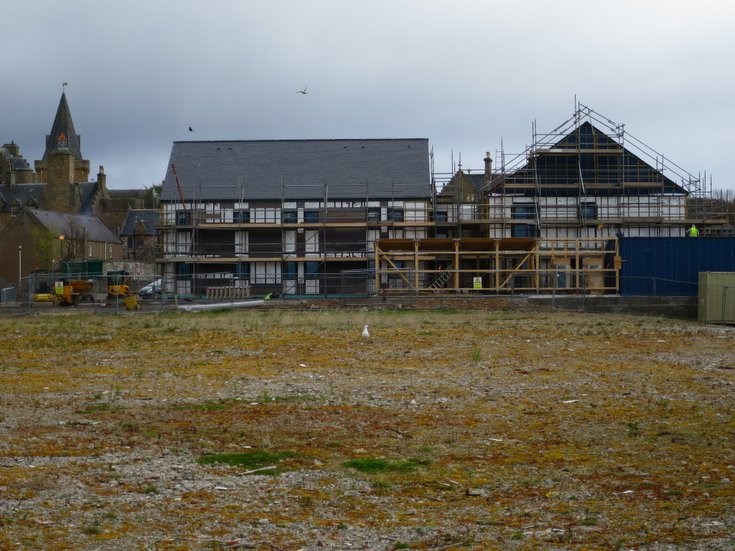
(299,170)
(588,156)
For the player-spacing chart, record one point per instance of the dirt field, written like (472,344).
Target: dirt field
(442,430)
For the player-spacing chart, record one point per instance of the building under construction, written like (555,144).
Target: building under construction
(345,217)
(549,219)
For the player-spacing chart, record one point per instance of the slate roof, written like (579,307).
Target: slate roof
(18,162)
(61,223)
(148,217)
(33,195)
(475,181)
(299,169)
(63,124)
(87,196)
(21,195)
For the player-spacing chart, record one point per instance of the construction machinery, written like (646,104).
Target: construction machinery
(118,284)
(72,292)
(118,288)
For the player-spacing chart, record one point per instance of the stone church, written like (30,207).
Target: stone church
(58,189)
(59,182)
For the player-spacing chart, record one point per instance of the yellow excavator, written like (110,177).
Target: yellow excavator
(118,288)
(118,284)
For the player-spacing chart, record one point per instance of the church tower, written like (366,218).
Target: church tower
(62,166)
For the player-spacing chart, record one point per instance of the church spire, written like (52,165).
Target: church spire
(63,136)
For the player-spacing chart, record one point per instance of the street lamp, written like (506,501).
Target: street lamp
(20,265)
(61,252)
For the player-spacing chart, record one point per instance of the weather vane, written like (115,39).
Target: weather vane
(63,86)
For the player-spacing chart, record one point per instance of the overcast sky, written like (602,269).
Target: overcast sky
(465,74)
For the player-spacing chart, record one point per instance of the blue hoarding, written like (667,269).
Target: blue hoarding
(669,266)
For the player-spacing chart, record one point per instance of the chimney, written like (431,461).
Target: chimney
(488,167)
(12,148)
(102,182)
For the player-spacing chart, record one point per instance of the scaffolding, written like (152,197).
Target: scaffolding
(589,177)
(307,242)
(546,220)
(497,266)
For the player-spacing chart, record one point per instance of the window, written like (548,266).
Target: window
(290,217)
(588,210)
(441,216)
(266,273)
(526,211)
(290,270)
(183,270)
(373,214)
(524,230)
(242,271)
(395,214)
(241,217)
(183,218)
(311,270)
(311,216)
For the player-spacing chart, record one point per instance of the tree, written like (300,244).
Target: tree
(74,239)
(44,242)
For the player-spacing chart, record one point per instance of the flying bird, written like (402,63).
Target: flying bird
(303,92)
(191,129)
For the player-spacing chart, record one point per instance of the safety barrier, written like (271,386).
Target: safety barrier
(220,293)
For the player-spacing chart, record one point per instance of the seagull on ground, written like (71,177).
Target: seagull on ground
(365,332)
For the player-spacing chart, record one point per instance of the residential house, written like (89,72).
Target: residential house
(584,181)
(139,234)
(43,240)
(293,217)
(548,219)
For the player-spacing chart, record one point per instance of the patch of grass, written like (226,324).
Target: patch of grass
(589,519)
(634,429)
(216,405)
(378,465)
(92,529)
(99,407)
(381,485)
(256,459)
(129,426)
(266,397)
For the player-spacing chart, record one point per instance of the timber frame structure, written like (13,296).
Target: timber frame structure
(497,266)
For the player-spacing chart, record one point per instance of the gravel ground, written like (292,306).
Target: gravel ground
(447,429)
